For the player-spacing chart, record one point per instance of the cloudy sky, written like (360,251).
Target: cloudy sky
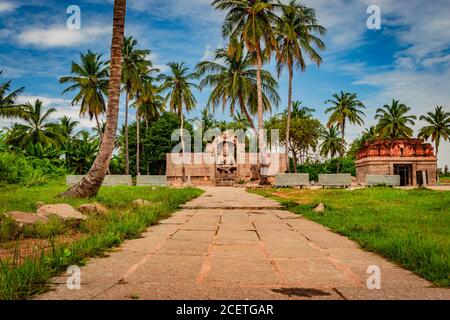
(408,59)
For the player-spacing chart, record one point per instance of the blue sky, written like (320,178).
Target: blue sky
(408,59)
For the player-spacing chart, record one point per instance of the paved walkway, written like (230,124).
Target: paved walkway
(230,244)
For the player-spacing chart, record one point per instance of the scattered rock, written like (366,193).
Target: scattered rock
(141,203)
(62,211)
(40,204)
(93,209)
(320,208)
(26,218)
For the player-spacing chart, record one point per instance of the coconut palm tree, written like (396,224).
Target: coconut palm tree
(300,112)
(345,107)
(66,127)
(36,127)
(438,127)
(90,184)
(90,82)
(8,106)
(148,105)
(134,65)
(233,80)
(178,85)
(253,22)
(332,142)
(394,121)
(298,35)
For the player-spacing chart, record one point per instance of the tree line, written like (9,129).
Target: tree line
(256,31)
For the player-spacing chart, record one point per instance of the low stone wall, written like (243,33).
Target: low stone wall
(335,180)
(110,180)
(388,180)
(291,180)
(160,181)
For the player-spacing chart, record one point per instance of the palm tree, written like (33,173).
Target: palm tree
(66,127)
(298,33)
(36,127)
(90,81)
(332,143)
(393,121)
(345,107)
(134,65)
(8,106)
(90,184)
(300,112)
(233,80)
(149,105)
(178,85)
(438,128)
(253,22)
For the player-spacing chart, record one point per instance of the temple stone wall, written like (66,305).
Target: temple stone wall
(200,168)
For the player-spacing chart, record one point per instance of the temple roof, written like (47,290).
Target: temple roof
(396,148)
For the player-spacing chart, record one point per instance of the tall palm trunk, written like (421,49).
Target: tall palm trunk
(261,142)
(288,124)
(127,160)
(90,184)
(183,170)
(341,152)
(437,166)
(245,112)
(137,143)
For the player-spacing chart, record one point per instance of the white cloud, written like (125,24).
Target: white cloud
(60,36)
(7,6)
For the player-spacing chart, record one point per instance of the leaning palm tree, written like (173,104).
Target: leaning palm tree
(8,106)
(332,143)
(36,127)
(233,81)
(253,22)
(298,35)
(438,127)
(90,184)
(90,82)
(345,107)
(178,85)
(394,121)
(134,64)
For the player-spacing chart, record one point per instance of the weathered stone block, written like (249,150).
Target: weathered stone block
(388,180)
(291,180)
(335,180)
(151,181)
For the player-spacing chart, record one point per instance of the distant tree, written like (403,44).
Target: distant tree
(36,127)
(134,65)
(178,85)
(90,83)
(345,108)
(298,35)
(438,127)
(232,77)
(301,112)
(332,143)
(394,121)
(8,106)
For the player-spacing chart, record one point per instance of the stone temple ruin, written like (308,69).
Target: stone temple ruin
(225,162)
(411,159)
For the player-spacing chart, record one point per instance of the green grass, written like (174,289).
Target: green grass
(409,227)
(20,281)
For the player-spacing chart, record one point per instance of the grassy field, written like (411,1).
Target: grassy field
(22,277)
(409,227)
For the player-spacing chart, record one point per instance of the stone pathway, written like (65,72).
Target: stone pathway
(230,244)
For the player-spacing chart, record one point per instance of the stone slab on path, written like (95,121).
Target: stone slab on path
(207,251)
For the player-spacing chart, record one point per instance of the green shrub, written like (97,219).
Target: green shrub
(347,165)
(18,169)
